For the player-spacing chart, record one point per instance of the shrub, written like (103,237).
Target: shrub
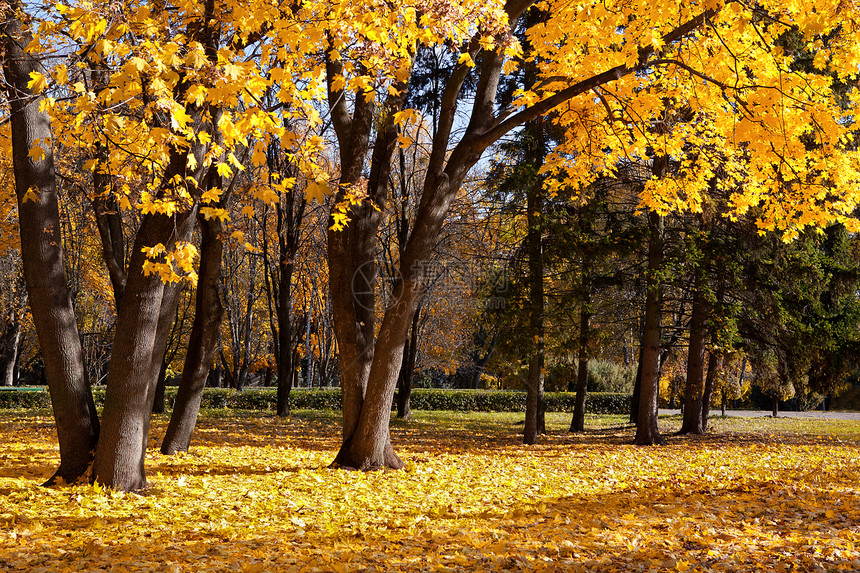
(24,398)
(609,376)
(330,399)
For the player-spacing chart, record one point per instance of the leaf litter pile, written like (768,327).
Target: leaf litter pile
(255,494)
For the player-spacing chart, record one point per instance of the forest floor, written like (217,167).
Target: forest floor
(255,494)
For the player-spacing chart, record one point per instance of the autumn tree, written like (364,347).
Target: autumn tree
(172,113)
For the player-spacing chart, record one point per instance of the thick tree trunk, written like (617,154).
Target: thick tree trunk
(42,254)
(208,314)
(647,432)
(352,273)
(775,407)
(715,364)
(143,325)
(535,385)
(692,423)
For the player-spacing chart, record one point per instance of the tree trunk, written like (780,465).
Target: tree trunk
(692,423)
(407,370)
(143,325)
(285,335)
(160,387)
(647,432)
(577,423)
(637,387)
(42,254)
(208,315)
(290,217)
(775,407)
(10,343)
(535,397)
(715,364)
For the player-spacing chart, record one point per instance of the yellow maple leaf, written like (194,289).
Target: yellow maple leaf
(38,82)
(316,191)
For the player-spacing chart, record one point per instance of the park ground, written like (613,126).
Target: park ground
(255,494)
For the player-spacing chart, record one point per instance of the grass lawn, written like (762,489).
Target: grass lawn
(255,494)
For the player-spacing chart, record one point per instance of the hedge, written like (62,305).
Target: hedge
(329,399)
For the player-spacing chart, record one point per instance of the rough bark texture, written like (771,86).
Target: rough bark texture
(208,314)
(41,250)
(692,423)
(647,432)
(143,325)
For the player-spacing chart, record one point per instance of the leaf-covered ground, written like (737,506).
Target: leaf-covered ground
(254,494)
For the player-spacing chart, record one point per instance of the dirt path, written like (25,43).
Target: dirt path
(818,414)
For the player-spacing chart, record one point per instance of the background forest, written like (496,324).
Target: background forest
(655,201)
(781,320)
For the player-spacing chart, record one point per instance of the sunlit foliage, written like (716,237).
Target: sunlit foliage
(256,495)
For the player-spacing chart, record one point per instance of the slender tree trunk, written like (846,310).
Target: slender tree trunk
(407,370)
(647,432)
(775,407)
(160,388)
(692,423)
(577,423)
(10,343)
(208,315)
(637,387)
(285,335)
(290,213)
(535,386)
(42,254)
(715,365)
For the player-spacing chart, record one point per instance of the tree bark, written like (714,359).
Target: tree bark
(208,314)
(715,365)
(407,369)
(577,423)
(42,254)
(290,211)
(534,424)
(160,388)
(143,325)
(10,344)
(637,386)
(692,423)
(647,432)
